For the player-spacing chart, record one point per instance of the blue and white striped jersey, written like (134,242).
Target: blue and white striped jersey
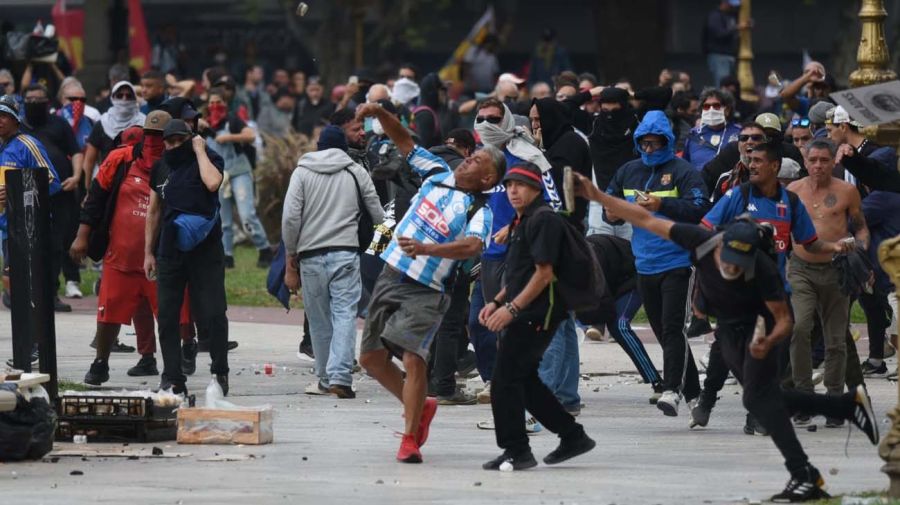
(437,215)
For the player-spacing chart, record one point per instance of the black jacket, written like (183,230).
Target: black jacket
(563,147)
(426,122)
(612,143)
(449,155)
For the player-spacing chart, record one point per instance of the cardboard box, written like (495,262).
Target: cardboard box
(251,426)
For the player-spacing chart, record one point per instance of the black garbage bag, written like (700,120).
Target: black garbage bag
(27,432)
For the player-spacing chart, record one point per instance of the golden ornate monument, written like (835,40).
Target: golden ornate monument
(745,54)
(889,448)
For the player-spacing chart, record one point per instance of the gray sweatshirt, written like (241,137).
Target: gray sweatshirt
(320,207)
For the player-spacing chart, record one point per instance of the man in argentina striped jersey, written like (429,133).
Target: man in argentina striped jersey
(447,221)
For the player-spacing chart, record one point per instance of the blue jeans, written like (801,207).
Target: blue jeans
(720,66)
(483,340)
(243,196)
(331,290)
(559,368)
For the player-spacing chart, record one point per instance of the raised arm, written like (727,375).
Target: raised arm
(634,214)
(392,127)
(209,174)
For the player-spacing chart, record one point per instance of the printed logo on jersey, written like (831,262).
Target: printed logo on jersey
(781,210)
(430,220)
(782,234)
(666,179)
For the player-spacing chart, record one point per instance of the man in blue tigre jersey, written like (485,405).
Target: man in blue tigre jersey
(446,222)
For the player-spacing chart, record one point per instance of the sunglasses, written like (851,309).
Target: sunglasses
(489,119)
(76,99)
(124,96)
(716,106)
(802,123)
(5,84)
(755,138)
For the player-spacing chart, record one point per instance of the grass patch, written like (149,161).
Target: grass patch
(65,385)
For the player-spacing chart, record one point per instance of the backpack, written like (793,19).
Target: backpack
(437,124)
(387,160)
(98,239)
(579,277)
(366,229)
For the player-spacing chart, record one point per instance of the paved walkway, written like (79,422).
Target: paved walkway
(342,451)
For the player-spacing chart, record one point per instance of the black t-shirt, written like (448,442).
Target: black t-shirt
(99,139)
(181,189)
(58,139)
(730,301)
(535,239)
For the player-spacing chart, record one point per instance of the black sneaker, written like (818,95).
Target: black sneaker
(863,416)
(34,359)
(833,422)
(305,352)
(870,370)
(805,486)
(146,366)
(6,301)
(203,345)
(698,327)
(701,412)
(60,306)
(520,461)
(342,391)
(98,374)
(753,427)
(165,383)
(222,379)
(229,262)
(189,357)
(569,448)
(466,364)
(120,347)
(801,420)
(460,397)
(265,258)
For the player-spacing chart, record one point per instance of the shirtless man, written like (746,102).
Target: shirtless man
(836,212)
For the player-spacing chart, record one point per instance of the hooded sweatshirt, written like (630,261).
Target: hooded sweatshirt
(563,147)
(683,194)
(321,205)
(426,121)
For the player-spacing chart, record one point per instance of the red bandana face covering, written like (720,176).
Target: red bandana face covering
(77,113)
(217,113)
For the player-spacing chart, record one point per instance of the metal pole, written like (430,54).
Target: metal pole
(745,55)
(31,285)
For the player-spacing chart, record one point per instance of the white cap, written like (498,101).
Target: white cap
(405,90)
(790,169)
(509,76)
(842,116)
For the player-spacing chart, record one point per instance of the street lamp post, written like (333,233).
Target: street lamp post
(745,54)
(873,59)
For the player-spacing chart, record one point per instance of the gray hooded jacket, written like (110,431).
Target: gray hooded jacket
(320,207)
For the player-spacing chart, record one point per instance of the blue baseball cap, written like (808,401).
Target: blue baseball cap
(8,105)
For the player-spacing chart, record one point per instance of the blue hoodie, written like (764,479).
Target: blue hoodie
(683,194)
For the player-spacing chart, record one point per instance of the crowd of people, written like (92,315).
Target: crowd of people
(445,221)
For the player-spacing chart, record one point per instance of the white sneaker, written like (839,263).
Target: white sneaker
(668,403)
(704,361)
(817,378)
(594,333)
(317,388)
(73,290)
(486,425)
(484,396)
(532,425)
(579,332)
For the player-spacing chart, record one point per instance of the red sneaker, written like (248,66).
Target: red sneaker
(428,412)
(409,450)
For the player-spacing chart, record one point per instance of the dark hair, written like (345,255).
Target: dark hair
(752,124)
(587,76)
(822,143)
(342,117)
(37,87)
(410,66)
(725,97)
(156,75)
(462,138)
(566,78)
(772,150)
(281,93)
(490,102)
(216,90)
(683,99)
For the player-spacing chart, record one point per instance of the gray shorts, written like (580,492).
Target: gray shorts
(404,315)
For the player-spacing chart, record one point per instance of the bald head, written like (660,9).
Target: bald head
(506,89)
(378,92)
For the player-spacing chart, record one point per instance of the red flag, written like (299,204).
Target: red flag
(138,41)
(70,32)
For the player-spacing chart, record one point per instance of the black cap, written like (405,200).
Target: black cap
(612,94)
(180,108)
(176,127)
(739,245)
(529,173)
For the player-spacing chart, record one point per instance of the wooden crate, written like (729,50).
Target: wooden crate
(214,426)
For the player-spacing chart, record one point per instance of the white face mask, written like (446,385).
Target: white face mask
(712,117)
(377,129)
